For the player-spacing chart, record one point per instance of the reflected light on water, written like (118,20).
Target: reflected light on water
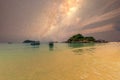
(67,62)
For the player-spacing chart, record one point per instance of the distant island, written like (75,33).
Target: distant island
(78,38)
(32,42)
(82,39)
(28,41)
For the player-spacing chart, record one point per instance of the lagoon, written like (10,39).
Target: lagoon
(85,61)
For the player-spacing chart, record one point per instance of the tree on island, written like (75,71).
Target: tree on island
(75,38)
(89,38)
(80,38)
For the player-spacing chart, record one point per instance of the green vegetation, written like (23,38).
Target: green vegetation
(89,38)
(80,38)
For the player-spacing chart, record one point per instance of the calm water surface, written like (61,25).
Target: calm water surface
(61,62)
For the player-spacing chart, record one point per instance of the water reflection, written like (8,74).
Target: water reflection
(78,51)
(82,48)
(78,45)
(99,62)
(36,46)
(83,51)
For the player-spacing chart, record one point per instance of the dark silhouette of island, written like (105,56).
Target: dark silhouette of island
(82,39)
(32,42)
(28,41)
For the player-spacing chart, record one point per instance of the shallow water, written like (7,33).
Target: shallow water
(61,62)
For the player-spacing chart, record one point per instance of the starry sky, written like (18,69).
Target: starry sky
(57,20)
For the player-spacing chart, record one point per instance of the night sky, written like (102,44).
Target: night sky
(57,20)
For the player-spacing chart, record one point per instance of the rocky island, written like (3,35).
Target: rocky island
(82,39)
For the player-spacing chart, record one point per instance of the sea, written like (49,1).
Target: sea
(63,61)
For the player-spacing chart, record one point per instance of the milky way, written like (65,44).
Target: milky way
(57,20)
(69,17)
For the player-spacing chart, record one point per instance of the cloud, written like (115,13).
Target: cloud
(45,20)
(117,25)
(109,27)
(103,17)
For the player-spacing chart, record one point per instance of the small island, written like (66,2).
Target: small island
(32,42)
(82,39)
(28,41)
